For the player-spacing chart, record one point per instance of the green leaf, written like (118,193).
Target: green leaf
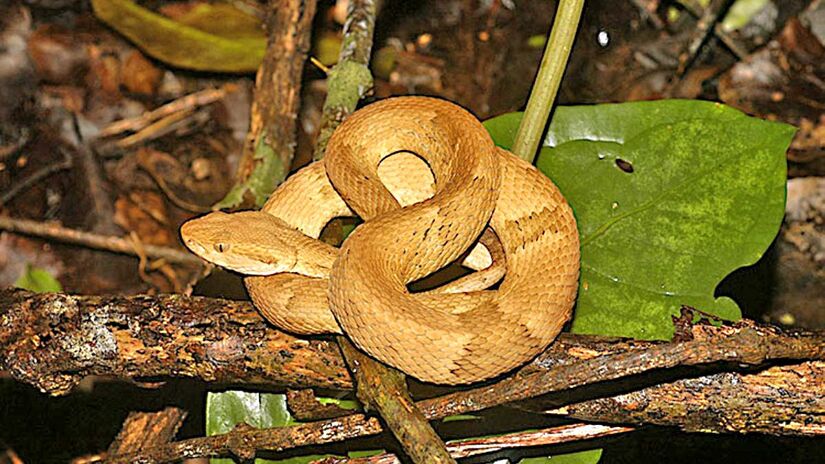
(36,279)
(705,196)
(582,457)
(537,41)
(262,410)
(343,404)
(741,13)
(186,45)
(326,48)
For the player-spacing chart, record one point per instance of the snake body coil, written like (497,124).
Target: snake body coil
(418,218)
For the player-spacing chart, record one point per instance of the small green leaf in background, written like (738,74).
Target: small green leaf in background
(262,410)
(537,41)
(36,279)
(460,417)
(582,457)
(343,404)
(670,197)
(326,46)
(741,13)
(197,41)
(384,61)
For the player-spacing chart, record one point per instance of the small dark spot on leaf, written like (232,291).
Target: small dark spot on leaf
(624,165)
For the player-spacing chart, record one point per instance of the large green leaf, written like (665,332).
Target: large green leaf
(705,196)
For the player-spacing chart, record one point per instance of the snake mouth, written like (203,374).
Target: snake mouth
(233,263)
(196,248)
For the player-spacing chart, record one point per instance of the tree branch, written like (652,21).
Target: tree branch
(93,240)
(270,143)
(475,446)
(143,430)
(384,389)
(53,340)
(350,79)
(769,402)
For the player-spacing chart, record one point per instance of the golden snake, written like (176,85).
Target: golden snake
(419,217)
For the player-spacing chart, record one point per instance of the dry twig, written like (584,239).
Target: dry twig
(186,103)
(92,240)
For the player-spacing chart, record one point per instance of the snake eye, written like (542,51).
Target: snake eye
(221,247)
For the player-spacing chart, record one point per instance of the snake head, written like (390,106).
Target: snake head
(247,242)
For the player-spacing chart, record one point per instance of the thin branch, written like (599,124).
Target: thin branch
(36,177)
(350,79)
(92,240)
(305,407)
(142,430)
(715,403)
(746,343)
(188,102)
(546,86)
(384,389)
(476,446)
(166,125)
(705,28)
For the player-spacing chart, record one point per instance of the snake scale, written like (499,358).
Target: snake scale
(430,185)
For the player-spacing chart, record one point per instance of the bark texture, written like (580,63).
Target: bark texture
(52,341)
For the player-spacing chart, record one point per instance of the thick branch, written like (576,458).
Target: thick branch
(270,143)
(53,340)
(770,402)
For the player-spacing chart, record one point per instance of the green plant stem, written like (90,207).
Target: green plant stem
(549,77)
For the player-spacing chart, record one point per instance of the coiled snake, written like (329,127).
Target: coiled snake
(419,217)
